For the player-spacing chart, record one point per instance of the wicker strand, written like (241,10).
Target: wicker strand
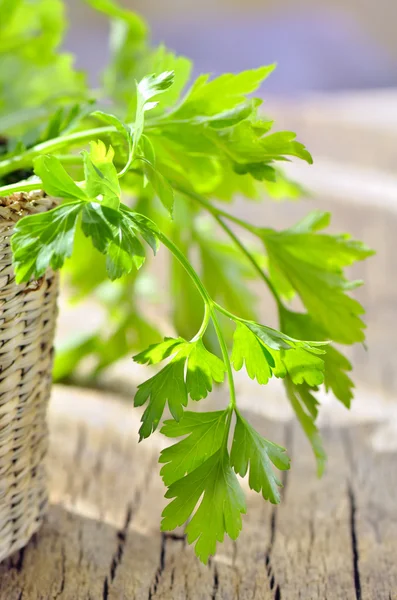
(27,324)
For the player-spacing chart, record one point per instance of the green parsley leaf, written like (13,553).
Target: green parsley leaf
(312,264)
(266,351)
(156,353)
(115,233)
(335,363)
(202,369)
(144,226)
(249,449)
(168,386)
(148,88)
(123,129)
(96,226)
(101,175)
(221,94)
(205,433)
(124,250)
(160,185)
(158,60)
(56,181)
(219,511)
(192,371)
(305,408)
(44,240)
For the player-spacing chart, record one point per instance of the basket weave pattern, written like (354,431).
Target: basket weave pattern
(27,323)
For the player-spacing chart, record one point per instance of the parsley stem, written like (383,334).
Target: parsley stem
(209,304)
(25,159)
(251,259)
(214,210)
(204,324)
(226,358)
(21,186)
(218,214)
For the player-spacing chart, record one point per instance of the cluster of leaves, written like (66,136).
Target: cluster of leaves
(175,150)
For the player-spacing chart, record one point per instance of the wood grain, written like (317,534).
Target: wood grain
(335,538)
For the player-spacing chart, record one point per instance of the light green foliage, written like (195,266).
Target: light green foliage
(30,33)
(101,175)
(306,408)
(250,451)
(205,433)
(335,364)
(55,179)
(44,240)
(312,264)
(139,163)
(191,371)
(219,511)
(148,88)
(265,352)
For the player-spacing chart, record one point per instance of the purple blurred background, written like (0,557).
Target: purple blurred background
(320,45)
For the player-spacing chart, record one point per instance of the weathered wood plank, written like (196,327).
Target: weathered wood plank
(334,538)
(373,503)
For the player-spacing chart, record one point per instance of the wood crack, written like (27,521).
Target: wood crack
(105,592)
(273,523)
(19,563)
(161,567)
(215,585)
(354,542)
(63,573)
(122,537)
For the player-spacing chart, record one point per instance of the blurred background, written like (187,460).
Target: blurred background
(319,44)
(336,86)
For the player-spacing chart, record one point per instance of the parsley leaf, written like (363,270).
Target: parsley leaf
(44,240)
(219,511)
(305,408)
(149,87)
(158,352)
(224,93)
(202,369)
(249,449)
(204,431)
(168,386)
(266,351)
(124,130)
(312,263)
(56,180)
(160,185)
(192,371)
(101,175)
(335,363)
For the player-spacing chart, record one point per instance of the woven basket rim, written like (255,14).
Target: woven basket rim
(19,204)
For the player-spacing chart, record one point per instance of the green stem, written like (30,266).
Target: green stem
(70,159)
(25,159)
(78,138)
(226,358)
(204,324)
(21,186)
(215,210)
(251,259)
(217,214)
(209,304)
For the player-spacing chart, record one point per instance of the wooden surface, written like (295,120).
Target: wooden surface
(329,539)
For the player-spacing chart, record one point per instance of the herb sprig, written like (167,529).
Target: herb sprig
(189,149)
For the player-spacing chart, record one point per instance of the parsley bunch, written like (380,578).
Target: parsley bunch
(136,166)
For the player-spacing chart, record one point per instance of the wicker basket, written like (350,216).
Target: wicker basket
(27,322)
